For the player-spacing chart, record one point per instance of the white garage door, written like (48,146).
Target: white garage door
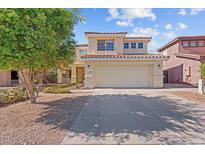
(122,76)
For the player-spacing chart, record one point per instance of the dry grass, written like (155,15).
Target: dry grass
(45,122)
(190,95)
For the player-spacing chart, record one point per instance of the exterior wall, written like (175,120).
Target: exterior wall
(118,45)
(135,51)
(5,78)
(157,75)
(176,66)
(155,71)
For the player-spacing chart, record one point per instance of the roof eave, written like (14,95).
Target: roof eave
(124,59)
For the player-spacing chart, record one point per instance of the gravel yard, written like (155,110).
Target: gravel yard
(45,122)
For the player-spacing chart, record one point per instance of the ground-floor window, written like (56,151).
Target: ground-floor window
(14,77)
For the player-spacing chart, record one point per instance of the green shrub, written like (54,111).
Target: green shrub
(13,95)
(51,77)
(202,70)
(59,89)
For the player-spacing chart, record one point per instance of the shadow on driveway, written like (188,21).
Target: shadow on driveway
(128,119)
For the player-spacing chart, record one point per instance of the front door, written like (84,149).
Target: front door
(80,74)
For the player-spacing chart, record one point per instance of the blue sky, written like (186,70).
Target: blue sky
(162,24)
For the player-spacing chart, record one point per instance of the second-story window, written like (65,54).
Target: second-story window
(201,43)
(109,45)
(133,45)
(105,45)
(126,45)
(185,43)
(82,52)
(140,45)
(193,43)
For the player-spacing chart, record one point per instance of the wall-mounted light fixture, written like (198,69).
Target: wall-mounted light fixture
(89,70)
(159,66)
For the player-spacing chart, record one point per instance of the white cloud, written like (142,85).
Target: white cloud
(168,35)
(146,31)
(138,13)
(156,25)
(181,25)
(196,11)
(182,12)
(168,26)
(124,23)
(154,45)
(114,13)
(128,15)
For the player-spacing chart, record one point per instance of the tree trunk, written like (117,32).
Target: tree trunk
(40,82)
(27,80)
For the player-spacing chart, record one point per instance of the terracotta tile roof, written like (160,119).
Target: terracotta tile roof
(124,56)
(82,45)
(191,37)
(139,37)
(180,38)
(105,32)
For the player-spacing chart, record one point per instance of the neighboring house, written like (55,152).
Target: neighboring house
(8,78)
(75,73)
(186,54)
(114,59)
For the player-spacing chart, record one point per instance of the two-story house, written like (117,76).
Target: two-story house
(186,55)
(114,59)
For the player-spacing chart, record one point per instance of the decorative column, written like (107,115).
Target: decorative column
(73,74)
(59,76)
(89,71)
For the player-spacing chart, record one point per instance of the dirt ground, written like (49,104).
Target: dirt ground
(190,95)
(45,122)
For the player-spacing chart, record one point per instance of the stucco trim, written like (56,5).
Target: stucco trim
(188,56)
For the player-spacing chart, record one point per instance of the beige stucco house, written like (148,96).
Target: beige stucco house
(116,59)
(9,78)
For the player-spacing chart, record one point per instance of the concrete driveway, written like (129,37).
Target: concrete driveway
(138,116)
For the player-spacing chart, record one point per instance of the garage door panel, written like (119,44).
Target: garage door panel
(122,76)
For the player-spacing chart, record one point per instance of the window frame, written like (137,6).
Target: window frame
(127,45)
(109,48)
(188,44)
(196,45)
(135,45)
(140,47)
(81,50)
(108,45)
(201,41)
